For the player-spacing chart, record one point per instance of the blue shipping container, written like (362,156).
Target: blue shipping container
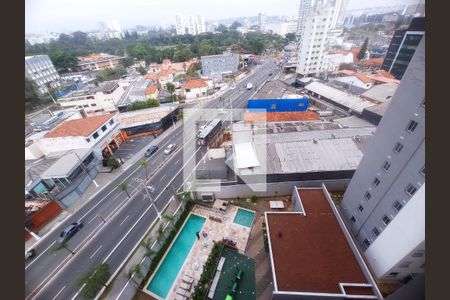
(278,105)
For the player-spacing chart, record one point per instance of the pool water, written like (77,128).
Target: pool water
(244,217)
(174,260)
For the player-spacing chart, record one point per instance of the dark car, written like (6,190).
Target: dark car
(150,151)
(69,232)
(30,254)
(270,74)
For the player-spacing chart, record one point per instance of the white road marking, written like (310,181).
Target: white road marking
(124,220)
(59,292)
(164,176)
(177,161)
(40,255)
(92,219)
(95,252)
(76,295)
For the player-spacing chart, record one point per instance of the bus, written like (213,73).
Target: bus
(207,132)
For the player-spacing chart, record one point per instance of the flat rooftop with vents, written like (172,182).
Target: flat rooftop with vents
(312,254)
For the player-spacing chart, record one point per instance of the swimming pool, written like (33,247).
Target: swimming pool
(244,217)
(171,265)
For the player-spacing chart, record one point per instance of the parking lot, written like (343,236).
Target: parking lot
(132,146)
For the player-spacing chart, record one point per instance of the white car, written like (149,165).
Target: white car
(170,149)
(232,87)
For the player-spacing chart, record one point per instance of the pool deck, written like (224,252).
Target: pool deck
(193,265)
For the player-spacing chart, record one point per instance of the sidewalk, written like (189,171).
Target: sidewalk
(102,179)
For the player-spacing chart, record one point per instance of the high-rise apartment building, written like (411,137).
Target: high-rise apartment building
(384,204)
(190,25)
(402,47)
(313,42)
(339,13)
(262,21)
(303,12)
(40,69)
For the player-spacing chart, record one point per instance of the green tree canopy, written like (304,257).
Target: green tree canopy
(235,25)
(290,36)
(127,62)
(63,60)
(362,52)
(94,279)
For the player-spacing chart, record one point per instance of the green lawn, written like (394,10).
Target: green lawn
(246,286)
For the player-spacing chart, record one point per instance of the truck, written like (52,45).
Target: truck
(249,86)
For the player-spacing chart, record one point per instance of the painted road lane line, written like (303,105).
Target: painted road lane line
(40,255)
(164,176)
(59,292)
(95,252)
(124,220)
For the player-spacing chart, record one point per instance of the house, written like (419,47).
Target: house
(194,88)
(152,92)
(166,76)
(357,79)
(98,61)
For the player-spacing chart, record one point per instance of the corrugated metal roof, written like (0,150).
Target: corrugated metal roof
(353,102)
(66,164)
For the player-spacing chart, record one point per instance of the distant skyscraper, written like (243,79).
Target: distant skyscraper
(403,44)
(262,20)
(303,12)
(190,25)
(384,203)
(313,42)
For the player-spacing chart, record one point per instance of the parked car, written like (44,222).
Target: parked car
(170,149)
(30,254)
(270,74)
(150,151)
(69,232)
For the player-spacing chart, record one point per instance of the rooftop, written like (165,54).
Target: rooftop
(108,86)
(352,102)
(96,57)
(79,127)
(194,83)
(143,116)
(311,253)
(151,89)
(280,116)
(380,93)
(274,89)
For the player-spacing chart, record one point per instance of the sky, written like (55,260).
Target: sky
(71,15)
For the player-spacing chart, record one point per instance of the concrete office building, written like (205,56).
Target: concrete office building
(218,65)
(40,69)
(190,25)
(313,43)
(402,47)
(384,204)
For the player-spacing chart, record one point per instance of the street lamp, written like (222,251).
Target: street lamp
(150,189)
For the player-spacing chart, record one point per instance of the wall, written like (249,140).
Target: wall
(43,216)
(197,92)
(33,152)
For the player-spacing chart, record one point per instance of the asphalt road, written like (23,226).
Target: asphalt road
(114,223)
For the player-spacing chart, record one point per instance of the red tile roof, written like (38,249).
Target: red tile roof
(152,76)
(251,117)
(374,62)
(194,83)
(79,127)
(363,78)
(311,253)
(347,72)
(383,79)
(151,89)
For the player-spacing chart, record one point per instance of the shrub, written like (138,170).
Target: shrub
(112,162)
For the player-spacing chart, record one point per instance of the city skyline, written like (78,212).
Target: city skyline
(51,15)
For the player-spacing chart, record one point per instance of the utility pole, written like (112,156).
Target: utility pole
(84,168)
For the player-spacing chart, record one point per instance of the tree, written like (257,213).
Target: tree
(222,28)
(124,188)
(144,165)
(139,51)
(160,234)
(235,25)
(94,280)
(362,52)
(148,248)
(171,88)
(135,271)
(290,36)
(63,60)
(62,245)
(206,48)
(32,97)
(127,62)
(113,163)
(142,70)
(111,74)
(182,53)
(168,218)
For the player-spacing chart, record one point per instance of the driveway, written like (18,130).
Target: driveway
(130,147)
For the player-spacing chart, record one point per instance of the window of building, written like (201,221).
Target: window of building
(376,182)
(93,104)
(376,231)
(419,253)
(353,219)
(104,128)
(360,208)
(366,243)
(412,126)
(386,166)
(111,122)
(398,147)
(367,195)
(88,140)
(397,205)
(393,274)
(95,135)
(422,171)
(386,220)
(410,189)
(405,264)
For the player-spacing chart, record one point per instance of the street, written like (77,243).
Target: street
(115,223)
